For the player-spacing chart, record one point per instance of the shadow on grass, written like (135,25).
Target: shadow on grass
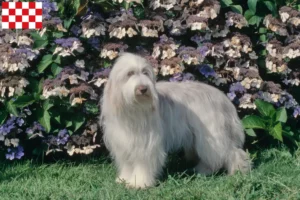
(176,166)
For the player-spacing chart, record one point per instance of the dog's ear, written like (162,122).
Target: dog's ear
(111,97)
(107,88)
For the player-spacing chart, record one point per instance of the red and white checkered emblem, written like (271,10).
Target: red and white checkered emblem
(22,15)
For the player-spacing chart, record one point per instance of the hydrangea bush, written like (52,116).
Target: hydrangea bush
(51,79)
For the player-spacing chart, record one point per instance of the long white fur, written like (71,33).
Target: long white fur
(140,131)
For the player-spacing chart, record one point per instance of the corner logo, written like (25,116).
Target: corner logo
(22,15)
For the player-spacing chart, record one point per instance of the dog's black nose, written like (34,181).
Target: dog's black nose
(144,90)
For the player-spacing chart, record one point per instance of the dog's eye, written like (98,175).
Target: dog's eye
(146,73)
(130,73)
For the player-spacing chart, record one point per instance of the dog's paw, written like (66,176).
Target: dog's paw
(137,186)
(120,180)
(139,183)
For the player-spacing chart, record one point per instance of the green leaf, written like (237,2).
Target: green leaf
(139,12)
(45,62)
(34,88)
(263,53)
(47,104)
(252,5)
(262,30)
(40,86)
(56,115)
(57,59)
(264,108)
(91,108)
(250,132)
(43,117)
(68,123)
(253,121)
(36,36)
(271,6)
(76,5)
(23,101)
(57,118)
(11,108)
(248,14)
(237,9)
(39,44)
(263,38)
(78,121)
(57,34)
(3,116)
(281,115)
(67,23)
(276,132)
(55,69)
(38,40)
(226,3)
(254,20)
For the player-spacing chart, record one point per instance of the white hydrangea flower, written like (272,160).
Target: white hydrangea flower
(245,102)
(100,81)
(80,63)
(77,100)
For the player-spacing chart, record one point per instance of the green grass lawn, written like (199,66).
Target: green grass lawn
(275,176)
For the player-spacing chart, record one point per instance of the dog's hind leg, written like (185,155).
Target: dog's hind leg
(210,149)
(238,160)
(204,169)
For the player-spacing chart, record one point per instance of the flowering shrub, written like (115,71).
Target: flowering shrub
(51,79)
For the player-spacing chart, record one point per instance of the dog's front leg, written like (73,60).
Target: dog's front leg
(125,170)
(147,169)
(143,175)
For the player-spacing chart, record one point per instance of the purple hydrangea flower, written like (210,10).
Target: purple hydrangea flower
(188,77)
(287,100)
(15,153)
(66,42)
(196,39)
(102,73)
(48,7)
(296,111)
(4,129)
(182,77)
(62,137)
(203,50)
(30,55)
(185,57)
(27,111)
(75,30)
(176,77)
(163,39)
(37,127)
(128,12)
(95,42)
(20,121)
(207,71)
(11,124)
(237,87)
(231,95)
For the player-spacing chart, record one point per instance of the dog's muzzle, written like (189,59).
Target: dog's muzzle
(142,90)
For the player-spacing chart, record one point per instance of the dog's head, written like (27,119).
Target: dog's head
(133,78)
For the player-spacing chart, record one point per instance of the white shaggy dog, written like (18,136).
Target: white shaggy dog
(144,120)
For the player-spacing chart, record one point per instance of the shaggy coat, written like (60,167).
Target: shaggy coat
(144,120)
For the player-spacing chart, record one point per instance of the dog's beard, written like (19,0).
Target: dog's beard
(134,100)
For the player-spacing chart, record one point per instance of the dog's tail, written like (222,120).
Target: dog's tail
(238,160)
